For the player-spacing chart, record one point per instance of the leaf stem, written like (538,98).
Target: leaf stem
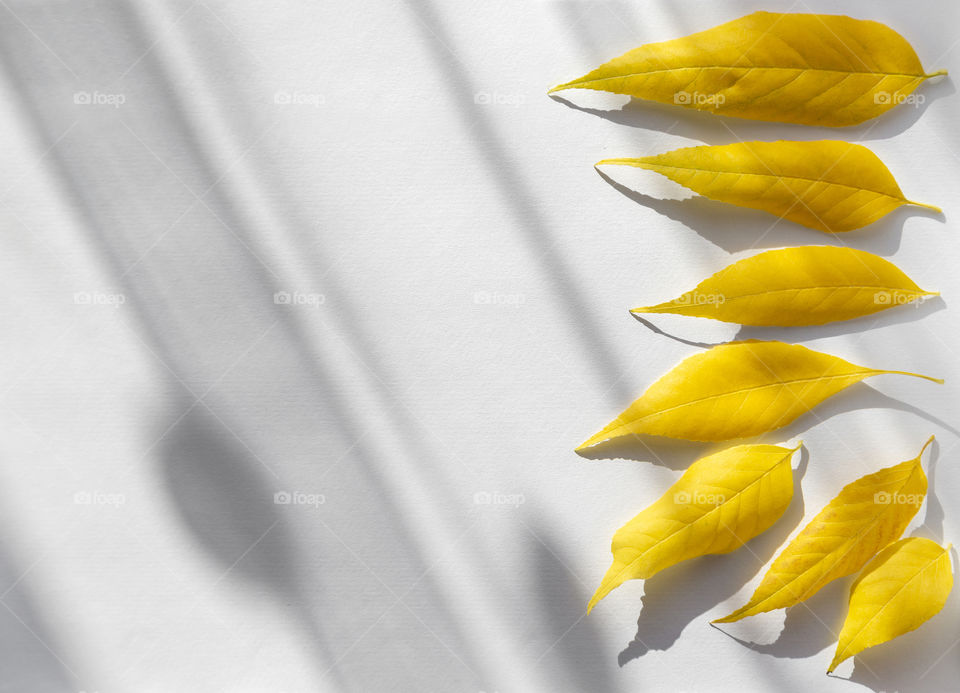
(926,206)
(938,381)
(925,446)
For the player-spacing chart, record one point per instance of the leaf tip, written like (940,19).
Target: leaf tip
(926,445)
(561,87)
(729,618)
(613,162)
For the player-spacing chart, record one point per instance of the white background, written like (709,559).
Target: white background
(475,274)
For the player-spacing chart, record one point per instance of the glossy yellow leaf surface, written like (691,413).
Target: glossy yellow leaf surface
(720,502)
(825,185)
(736,390)
(811,69)
(812,285)
(866,516)
(902,588)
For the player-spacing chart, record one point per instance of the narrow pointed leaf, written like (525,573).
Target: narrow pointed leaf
(811,69)
(721,502)
(866,516)
(902,588)
(826,185)
(811,285)
(736,390)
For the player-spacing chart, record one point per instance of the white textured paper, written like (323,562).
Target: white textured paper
(306,305)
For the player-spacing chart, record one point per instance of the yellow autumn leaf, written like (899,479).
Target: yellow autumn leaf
(867,515)
(720,502)
(811,69)
(737,390)
(902,588)
(826,185)
(812,285)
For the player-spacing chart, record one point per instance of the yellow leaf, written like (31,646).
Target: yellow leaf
(811,69)
(812,285)
(866,516)
(825,185)
(736,390)
(721,502)
(903,587)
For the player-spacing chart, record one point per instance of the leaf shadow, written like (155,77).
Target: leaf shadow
(710,127)
(809,627)
(678,595)
(576,657)
(666,452)
(736,229)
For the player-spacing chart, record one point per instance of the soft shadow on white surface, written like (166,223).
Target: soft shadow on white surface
(673,599)
(382,401)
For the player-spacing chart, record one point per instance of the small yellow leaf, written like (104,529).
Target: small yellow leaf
(721,502)
(866,516)
(902,588)
(812,285)
(826,185)
(736,390)
(812,69)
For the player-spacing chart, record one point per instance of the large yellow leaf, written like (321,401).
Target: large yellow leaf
(866,516)
(811,285)
(736,390)
(796,68)
(903,587)
(826,185)
(720,502)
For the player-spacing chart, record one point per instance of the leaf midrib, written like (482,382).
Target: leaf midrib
(748,68)
(851,544)
(707,514)
(772,175)
(737,297)
(891,599)
(778,383)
